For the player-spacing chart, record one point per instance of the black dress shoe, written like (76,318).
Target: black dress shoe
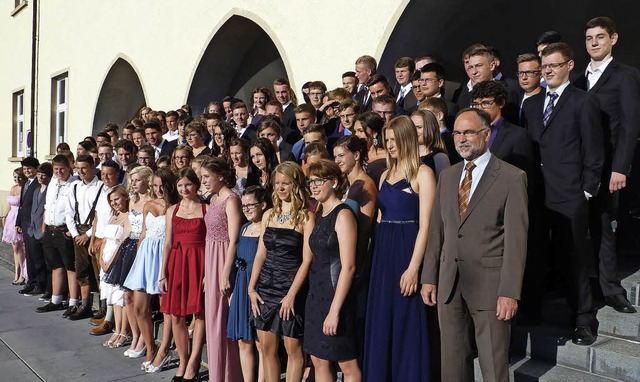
(37,291)
(70,310)
(27,289)
(81,313)
(50,307)
(176,379)
(620,303)
(583,336)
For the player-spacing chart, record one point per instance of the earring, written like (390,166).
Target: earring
(375,141)
(334,186)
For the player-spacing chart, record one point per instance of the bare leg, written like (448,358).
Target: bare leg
(271,362)
(295,359)
(196,347)
(260,363)
(323,372)
(74,288)
(181,337)
(141,303)
(167,336)
(17,260)
(57,281)
(350,371)
(247,359)
(136,344)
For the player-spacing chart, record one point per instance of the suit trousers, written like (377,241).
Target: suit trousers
(36,267)
(459,324)
(569,238)
(602,211)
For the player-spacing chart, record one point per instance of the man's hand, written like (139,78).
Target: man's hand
(81,239)
(507,308)
(618,182)
(429,292)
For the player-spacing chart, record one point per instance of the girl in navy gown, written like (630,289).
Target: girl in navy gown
(396,333)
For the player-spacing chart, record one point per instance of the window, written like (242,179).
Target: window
(19,132)
(59,110)
(18,6)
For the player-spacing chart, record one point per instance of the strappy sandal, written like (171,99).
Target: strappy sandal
(108,343)
(123,339)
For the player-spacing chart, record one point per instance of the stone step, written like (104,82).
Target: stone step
(623,325)
(531,370)
(609,356)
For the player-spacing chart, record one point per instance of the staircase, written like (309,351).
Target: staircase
(545,352)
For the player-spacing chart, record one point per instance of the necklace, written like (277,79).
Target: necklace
(184,209)
(284,217)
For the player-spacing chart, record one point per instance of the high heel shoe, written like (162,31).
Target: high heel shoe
(114,337)
(165,362)
(122,340)
(137,354)
(144,365)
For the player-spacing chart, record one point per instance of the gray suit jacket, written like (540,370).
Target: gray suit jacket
(37,213)
(488,247)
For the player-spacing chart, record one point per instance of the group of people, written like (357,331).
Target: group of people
(376,229)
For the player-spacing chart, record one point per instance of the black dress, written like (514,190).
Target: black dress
(323,279)
(284,256)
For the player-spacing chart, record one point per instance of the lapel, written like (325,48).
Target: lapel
(604,77)
(501,135)
(561,101)
(488,177)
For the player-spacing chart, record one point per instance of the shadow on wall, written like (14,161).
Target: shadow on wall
(120,98)
(447,28)
(239,58)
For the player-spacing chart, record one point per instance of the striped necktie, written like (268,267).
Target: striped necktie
(465,188)
(549,109)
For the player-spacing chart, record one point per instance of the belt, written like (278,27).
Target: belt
(55,227)
(399,221)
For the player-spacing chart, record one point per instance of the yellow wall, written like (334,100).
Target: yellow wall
(163,40)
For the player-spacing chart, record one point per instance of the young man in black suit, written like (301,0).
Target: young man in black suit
(365,69)
(35,260)
(282,92)
(565,123)
(617,87)
(153,132)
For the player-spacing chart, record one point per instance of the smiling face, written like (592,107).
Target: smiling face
(345,159)
(283,186)
(138,139)
(240,117)
(402,75)
(186,188)
(125,157)
(350,84)
(154,137)
(181,159)
(118,201)
(61,171)
(469,136)
(85,171)
(218,136)
(321,188)
(212,182)
(599,43)
(479,68)
(259,100)
(158,189)
(282,93)
(251,209)
(109,176)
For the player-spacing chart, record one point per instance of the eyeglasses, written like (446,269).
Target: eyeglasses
(317,182)
(528,73)
(553,66)
(250,206)
(467,133)
(486,104)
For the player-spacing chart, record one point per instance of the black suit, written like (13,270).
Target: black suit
(512,144)
(168,147)
(618,90)
(32,250)
(360,97)
(571,152)
(289,131)
(512,106)
(250,133)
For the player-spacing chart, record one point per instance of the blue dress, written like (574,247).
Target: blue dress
(396,334)
(239,323)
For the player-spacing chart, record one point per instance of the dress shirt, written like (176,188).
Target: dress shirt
(171,136)
(56,201)
(404,90)
(469,86)
(476,174)
(593,75)
(103,213)
(558,91)
(86,194)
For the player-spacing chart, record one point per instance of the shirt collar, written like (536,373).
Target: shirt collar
(600,68)
(559,90)
(482,160)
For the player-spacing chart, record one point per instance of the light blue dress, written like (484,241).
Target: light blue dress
(145,271)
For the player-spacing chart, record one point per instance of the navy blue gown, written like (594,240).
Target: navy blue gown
(396,334)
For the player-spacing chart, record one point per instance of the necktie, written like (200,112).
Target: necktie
(465,188)
(549,109)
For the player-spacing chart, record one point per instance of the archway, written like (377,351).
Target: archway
(120,98)
(239,57)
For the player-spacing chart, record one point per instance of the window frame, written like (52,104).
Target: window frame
(59,89)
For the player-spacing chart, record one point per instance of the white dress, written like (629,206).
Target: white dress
(112,239)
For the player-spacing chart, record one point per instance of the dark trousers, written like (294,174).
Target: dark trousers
(36,267)
(602,211)
(569,238)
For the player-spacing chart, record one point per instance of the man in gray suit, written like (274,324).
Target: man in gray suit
(35,230)
(476,251)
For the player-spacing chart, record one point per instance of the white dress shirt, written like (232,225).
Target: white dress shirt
(171,136)
(481,163)
(593,75)
(56,202)
(103,213)
(404,90)
(86,194)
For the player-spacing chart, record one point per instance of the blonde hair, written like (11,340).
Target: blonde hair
(406,137)
(299,193)
(147,174)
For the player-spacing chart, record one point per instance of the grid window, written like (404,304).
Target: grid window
(19,132)
(60,110)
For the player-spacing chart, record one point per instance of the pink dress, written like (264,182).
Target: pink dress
(9,234)
(223,355)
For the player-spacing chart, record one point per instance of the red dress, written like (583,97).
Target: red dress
(185,267)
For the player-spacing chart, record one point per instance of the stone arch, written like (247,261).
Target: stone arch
(241,55)
(121,96)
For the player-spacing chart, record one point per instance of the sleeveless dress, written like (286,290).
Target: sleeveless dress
(396,334)
(323,280)
(284,256)
(223,355)
(185,267)
(119,270)
(239,324)
(112,239)
(9,234)
(145,271)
